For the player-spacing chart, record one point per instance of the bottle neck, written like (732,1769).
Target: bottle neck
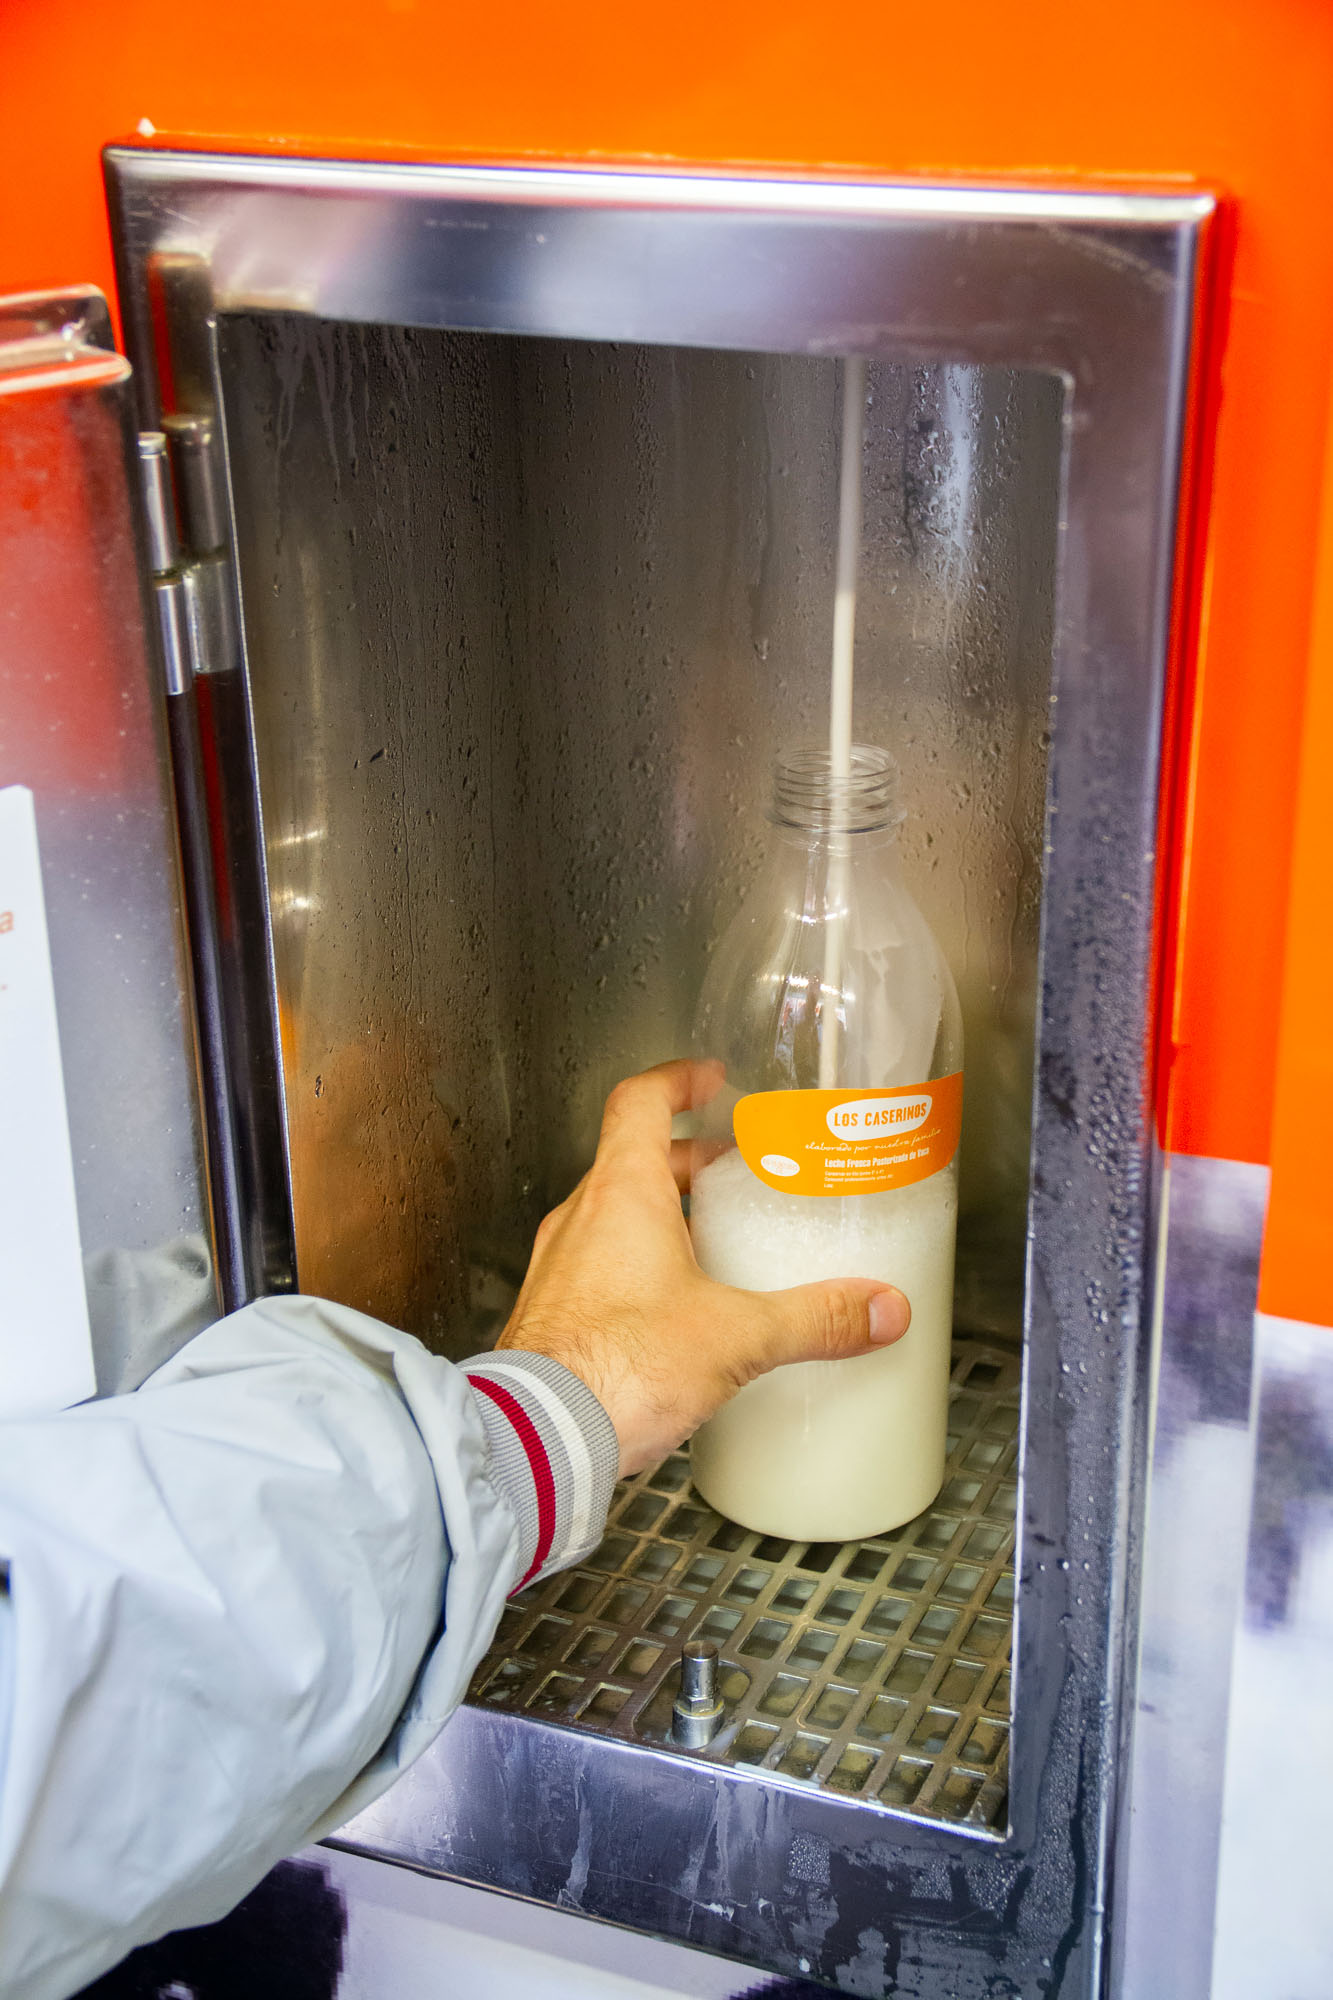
(854,807)
(826,852)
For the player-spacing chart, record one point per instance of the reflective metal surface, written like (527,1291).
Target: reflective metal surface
(1274,1918)
(182,635)
(1007,275)
(213,759)
(1096,291)
(81,723)
(159,501)
(876,1669)
(515,734)
(697,1708)
(196,456)
(173,633)
(1200,1460)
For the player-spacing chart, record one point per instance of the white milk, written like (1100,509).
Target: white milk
(829,1451)
(842,678)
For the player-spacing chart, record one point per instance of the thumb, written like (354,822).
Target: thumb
(833,1319)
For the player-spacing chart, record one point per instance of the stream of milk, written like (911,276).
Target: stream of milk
(840,697)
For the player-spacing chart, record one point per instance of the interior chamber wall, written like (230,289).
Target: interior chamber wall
(527,622)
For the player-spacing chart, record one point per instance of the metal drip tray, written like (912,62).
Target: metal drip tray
(875,1669)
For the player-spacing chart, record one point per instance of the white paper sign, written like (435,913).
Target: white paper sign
(46,1356)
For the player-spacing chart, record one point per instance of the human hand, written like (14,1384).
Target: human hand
(613,1291)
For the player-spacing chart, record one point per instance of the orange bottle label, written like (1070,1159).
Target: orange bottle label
(850,1141)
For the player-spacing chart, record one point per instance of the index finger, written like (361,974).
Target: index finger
(639,1111)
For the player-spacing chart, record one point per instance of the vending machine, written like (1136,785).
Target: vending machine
(406,599)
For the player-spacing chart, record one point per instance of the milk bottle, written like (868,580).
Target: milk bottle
(830,1152)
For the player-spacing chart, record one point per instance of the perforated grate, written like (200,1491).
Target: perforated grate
(876,1669)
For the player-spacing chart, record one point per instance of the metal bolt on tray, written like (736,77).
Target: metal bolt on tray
(697,1709)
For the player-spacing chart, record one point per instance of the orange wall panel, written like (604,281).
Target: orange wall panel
(1235,94)
(1296,1278)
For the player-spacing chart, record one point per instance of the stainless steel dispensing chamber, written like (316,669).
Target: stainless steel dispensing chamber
(515,493)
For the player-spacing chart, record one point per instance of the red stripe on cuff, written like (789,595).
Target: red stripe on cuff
(540,1465)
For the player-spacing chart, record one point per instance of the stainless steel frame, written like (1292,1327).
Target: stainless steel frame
(1274,1929)
(1099,289)
(81,725)
(1200,1469)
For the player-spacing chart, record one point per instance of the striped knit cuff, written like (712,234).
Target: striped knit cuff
(554,1454)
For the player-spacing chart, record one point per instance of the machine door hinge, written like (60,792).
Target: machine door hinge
(194,592)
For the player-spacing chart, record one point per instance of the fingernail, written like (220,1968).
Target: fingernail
(889,1317)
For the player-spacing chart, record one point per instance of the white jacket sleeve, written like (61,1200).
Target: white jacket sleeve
(235,1603)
